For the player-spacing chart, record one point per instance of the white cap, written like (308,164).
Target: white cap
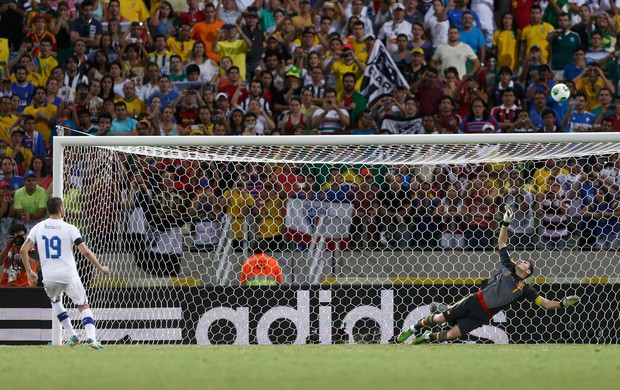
(488,128)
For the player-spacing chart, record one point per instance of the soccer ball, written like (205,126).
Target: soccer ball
(560,92)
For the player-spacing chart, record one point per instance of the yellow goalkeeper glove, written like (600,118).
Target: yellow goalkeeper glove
(570,301)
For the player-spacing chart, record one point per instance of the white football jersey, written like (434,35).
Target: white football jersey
(54,239)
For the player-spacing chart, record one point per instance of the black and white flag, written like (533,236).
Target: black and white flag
(381,75)
(399,125)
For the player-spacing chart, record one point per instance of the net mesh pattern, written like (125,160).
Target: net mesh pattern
(367,239)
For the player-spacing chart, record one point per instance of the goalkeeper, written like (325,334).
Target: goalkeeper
(496,293)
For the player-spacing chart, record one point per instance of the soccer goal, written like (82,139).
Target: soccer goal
(371,233)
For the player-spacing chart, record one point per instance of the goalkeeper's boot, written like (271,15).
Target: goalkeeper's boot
(73,341)
(94,344)
(404,335)
(423,338)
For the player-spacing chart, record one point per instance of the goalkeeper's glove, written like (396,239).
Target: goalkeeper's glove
(508,215)
(569,301)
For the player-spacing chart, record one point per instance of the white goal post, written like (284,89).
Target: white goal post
(370,232)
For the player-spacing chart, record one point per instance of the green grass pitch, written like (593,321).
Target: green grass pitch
(503,367)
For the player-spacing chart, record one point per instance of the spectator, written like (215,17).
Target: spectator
(135,11)
(600,216)
(577,66)
(589,82)
(472,36)
(596,51)
(446,119)
(257,42)
(605,106)
(455,13)
(614,116)
(193,14)
(30,201)
(167,124)
(270,203)
(391,29)
(522,203)
(402,55)
(536,34)
(436,22)
(392,207)
(165,93)
(22,87)
(186,110)
(14,273)
(478,121)
(161,56)
(506,115)
(226,44)
(206,213)
(261,269)
(123,125)
(358,10)
(331,118)
(295,117)
(452,227)
(19,153)
(478,209)
(354,102)
(412,13)
(43,112)
(235,90)
(162,19)
(423,226)
(255,93)
(537,108)
(7,119)
(578,120)
(6,210)
(73,77)
(207,67)
(549,118)
(454,54)
(165,209)
(86,27)
(428,91)
(237,203)
(177,73)
(151,85)
(44,179)
(346,62)
(554,221)
(33,140)
(563,44)
(228,12)
(206,30)
(505,43)
(86,126)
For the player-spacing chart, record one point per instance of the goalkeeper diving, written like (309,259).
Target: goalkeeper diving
(496,293)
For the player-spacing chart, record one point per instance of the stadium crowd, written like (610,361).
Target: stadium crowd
(296,67)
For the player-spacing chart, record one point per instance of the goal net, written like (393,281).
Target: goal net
(369,234)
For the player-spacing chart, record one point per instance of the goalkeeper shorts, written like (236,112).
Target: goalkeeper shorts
(468,314)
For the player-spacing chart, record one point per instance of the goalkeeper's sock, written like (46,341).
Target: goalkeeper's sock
(63,317)
(89,324)
(424,323)
(438,336)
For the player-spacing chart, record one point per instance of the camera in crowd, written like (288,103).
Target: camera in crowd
(18,240)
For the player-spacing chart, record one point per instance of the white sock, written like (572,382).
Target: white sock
(89,324)
(61,313)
